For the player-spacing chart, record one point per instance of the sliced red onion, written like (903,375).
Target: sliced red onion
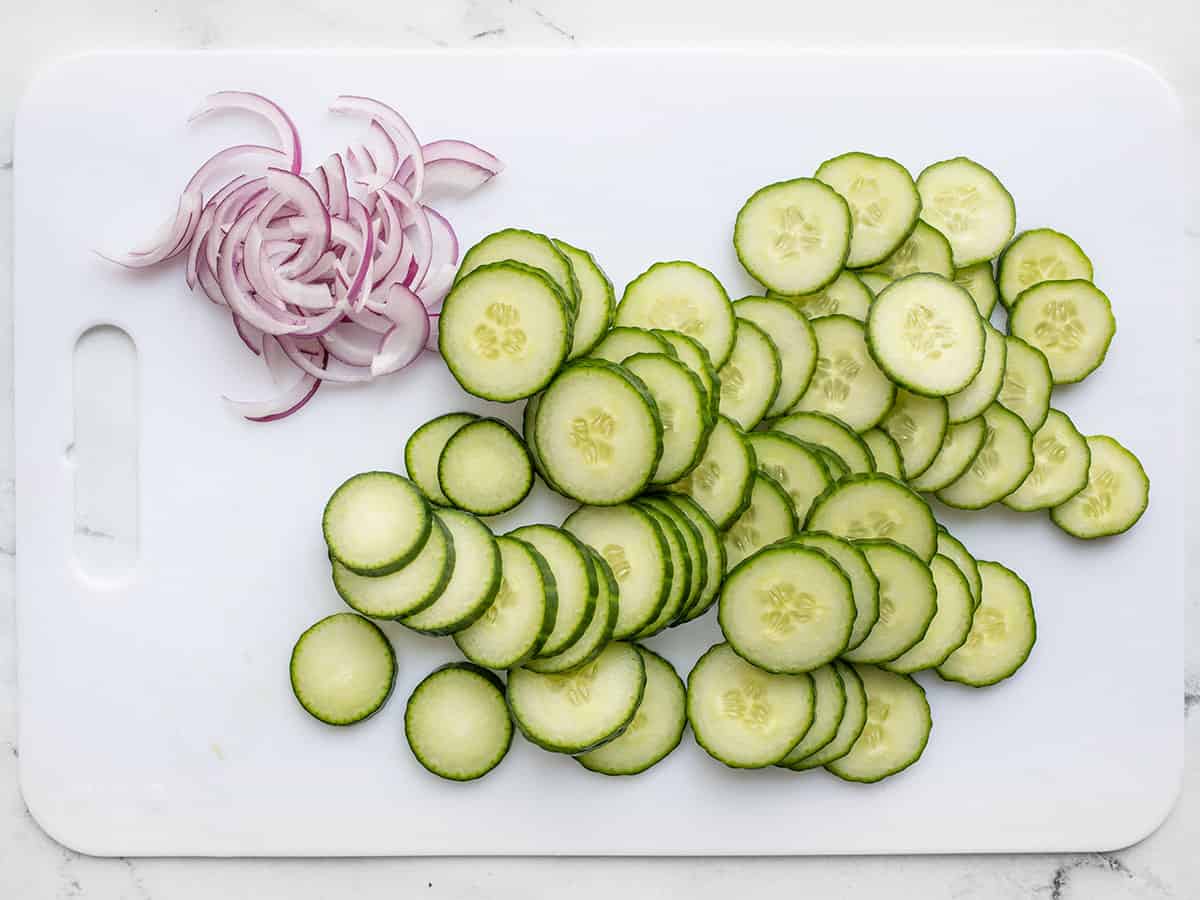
(251,336)
(283,404)
(320,183)
(452,167)
(241,302)
(416,227)
(405,341)
(171,238)
(326,370)
(339,186)
(435,287)
(383,149)
(237,155)
(443,240)
(352,343)
(390,243)
(360,284)
(289,137)
(304,197)
(406,139)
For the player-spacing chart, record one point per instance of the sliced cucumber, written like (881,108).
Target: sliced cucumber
(951,623)
(376,523)
(792,337)
(457,723)
(793,236)
(831,433)
(722,480)
(594,312)
(750,378)
(579,710)
(1036,256)
(1027,383)
(693,355)
(599,631)
(885,452)
(679,585)
(714,553)
(952,548)
(770,517)
(529,248)
(897,729)
(1116,495)
(473,582)
(485,468)
(683,297)
(969,205)
(959,449)
(343,669)
(529,432)
(683,409)
(847,382)
(829,706)
(622,342)
(1002,463)
(918,426)
(1071,322)
(883,200)
(863,583)
(834,464)
(742,716)
(794,467)
(424,449)
(924,250)
(1002,634)
(854,718)
(693,548)
(846,295)
(876,506)
(405,591)
(1061,460)
(979,281)
(657,726)
(576,584)
(874,282)
(907,602)
(984,388)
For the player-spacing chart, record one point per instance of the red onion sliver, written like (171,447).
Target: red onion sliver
(326,370)
(339,188)
(172,238)
(251,336)
(320,183)
(351,343)
(435,287)
(385,152)
(304,196)
(453,176)
(390,119)
(289,137)
(239,154)
(444,240)
(406,340)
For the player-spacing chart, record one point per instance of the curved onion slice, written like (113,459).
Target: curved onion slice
(289,137)
(406,339)
(172,238)
(390,119)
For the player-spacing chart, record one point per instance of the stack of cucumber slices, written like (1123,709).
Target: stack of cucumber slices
(766,457)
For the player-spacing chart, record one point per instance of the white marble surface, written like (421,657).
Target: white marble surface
(1161,32)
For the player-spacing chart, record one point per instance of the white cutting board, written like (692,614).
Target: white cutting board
(155,711)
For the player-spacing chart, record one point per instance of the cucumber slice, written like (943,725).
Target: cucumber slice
(424,449)
(679,583)
(795,467)
(693,355)
(984,388)
(485,468)
(863,583)
(907,602)
(1116,495)
(885,452)
(925,250)
(473,582)
(622,342)
(969,205)
(770,517)
(504,331)
(529,432)
(722,480)
(742,716)
(657,726)
(831,433)
(683,408)
(883,202)
(959,449)
(594,312)
(599,631)
(874,282)
(457,723)
(376,523)
(978,281)
(951,623)
(918,426)
(897,729)
(576,585)
(952,548)
(793,236)
(579,710)
(1027,383)
(529,248)
(854,718)
(693,549)
(829,706)
(683,297)
(846,295)
(343,669)
(598,433)
(847,382)
(405,591)
(876,506)
(633,545)
(1071,322)
(1003,462)
(1002,634)
(792,337)
(833,463)
(751,376)
(714,553)
(1036,256)
(1061,460)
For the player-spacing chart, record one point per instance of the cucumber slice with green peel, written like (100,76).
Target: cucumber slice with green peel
(1002,634)
(1002,463)
(529,432)
(597,301)
(876,506)
(969,205)
(742,716)
(959,449)
(1027,383)
(885,452)
(847,382)
(874,282)
(722,480)
(405,591)
(457,722)
(984,388)
(529,248)
(846,295)
(473,581)
(896,731)
(854,718)
(633,545)
(907,602)
(576,711)
(485,468)
(1116,495)
(376,523)
(794,339)
(1061,460)
(679,584)
(598,433)
(424,449)
(1071,322)
(622,342)
(683,408)
(693,549)
(770,517)
(681,296)
(693,355)
(831,433)
(793,236)
(750,379)
(883,200)
(521,616)
(714,553)
(863,583)
(599,631)
(1036,256)
(504,331)
(795,467)
(657,726)
(576,583)
(829,706)
(925,250)
(918,426)
(951,623)
(979,281)
(834,464)
(952,548)
(343,669)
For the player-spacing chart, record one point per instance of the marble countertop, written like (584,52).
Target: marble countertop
(1164,33)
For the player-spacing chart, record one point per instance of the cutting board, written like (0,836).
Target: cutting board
(155,710)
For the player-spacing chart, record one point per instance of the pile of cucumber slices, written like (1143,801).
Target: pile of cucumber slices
(766,457)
